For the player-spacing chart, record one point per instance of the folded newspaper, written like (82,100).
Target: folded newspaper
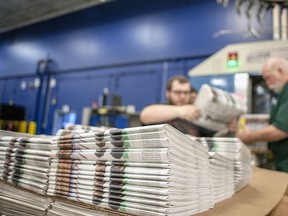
(217,107)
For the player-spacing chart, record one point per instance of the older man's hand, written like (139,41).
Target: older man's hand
(245,136)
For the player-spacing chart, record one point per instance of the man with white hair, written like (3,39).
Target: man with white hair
(275,74)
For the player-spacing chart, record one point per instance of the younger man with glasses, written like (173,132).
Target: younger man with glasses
(179,112)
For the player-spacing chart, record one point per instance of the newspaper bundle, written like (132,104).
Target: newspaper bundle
(151,170)
(25,161)
(235,150)
(217,108)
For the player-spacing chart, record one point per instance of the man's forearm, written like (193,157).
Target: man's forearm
(158,114)
(268,134)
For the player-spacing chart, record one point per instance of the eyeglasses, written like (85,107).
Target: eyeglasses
(178,92)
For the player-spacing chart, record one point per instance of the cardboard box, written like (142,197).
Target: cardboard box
(264,192)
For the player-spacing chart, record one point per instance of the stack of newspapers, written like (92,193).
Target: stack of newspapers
(153,170)
(25,161)
(222,175)
(14,201)
(235,150)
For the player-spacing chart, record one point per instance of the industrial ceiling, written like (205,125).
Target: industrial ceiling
(19,13)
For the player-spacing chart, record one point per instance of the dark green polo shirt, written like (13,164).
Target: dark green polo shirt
(279,118)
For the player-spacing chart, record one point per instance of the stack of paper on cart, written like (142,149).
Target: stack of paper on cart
(25,161)
(222,174)
(14,201)
(235,150)
(153,170)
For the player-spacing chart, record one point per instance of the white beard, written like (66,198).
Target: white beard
(277,88)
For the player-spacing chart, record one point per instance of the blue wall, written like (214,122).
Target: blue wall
(131,47)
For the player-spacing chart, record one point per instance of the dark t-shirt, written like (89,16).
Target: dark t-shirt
(187,127)
(279,118)
(190,128)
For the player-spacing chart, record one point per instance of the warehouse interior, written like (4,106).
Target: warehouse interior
(120,45)
(99,63)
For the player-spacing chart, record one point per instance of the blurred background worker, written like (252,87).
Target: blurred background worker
(179,111)
(193,95)
(275,74)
